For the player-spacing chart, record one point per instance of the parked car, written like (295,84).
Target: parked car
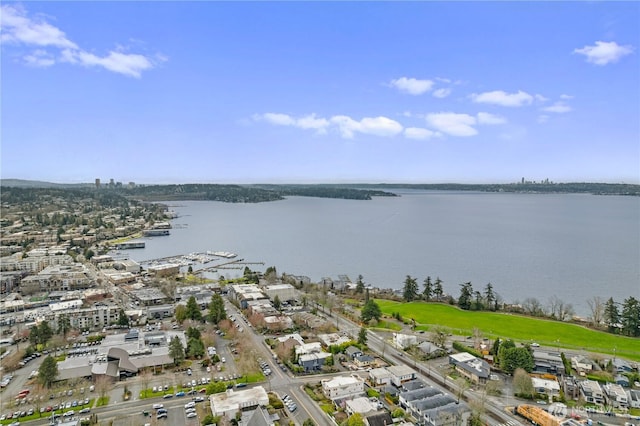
(192,415)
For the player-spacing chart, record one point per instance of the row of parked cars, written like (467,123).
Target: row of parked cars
(289,403)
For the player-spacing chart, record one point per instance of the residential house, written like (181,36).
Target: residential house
(546,386)
(615,395)
(353,352)
(343,387)
(591,391)
(548,362)
(404,340)
(633,396)
(360,405)
(401,374)
(380,377)
(382,418)
(364,361)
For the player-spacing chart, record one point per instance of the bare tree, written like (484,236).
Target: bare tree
(145,378)
(439,336)
(522,383)
(596,306)
(532,306)
(103,385)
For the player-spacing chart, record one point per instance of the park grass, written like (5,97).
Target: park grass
(388,325)
(519,328)
(103,400)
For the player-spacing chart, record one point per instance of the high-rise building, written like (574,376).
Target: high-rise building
(97,183)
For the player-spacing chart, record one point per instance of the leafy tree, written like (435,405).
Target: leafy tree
(355,420)
(466,291)
(438,292)
(123,319)
(360,285)
(370,311)
(176,350)
(180,313)
(362,336)
(217,312)
(410,289)
(611,315)
(64,325)
(427,293)
(193,310)
(308,422)
(48,371)
(631,317)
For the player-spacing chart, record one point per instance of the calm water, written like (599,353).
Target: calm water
(526,245)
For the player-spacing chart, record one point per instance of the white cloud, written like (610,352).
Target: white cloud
(412,86)
(566,97)
(499,97)
(543,118)
(486,118)
(311,122)
(378,126)
(128,64)
(558,107)
(540,98)
(452,123)
(603,53)
(442,93)
(345,125)
(19,29)
(419,133)
(276,118)
(39,58)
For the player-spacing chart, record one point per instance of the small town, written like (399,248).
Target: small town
(91,337)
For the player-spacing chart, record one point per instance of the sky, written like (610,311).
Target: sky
(315,92)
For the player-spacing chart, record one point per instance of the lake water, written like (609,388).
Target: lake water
(527,245)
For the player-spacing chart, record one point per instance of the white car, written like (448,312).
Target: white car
(192,415)
(190,405)
(157,406)
(223,360)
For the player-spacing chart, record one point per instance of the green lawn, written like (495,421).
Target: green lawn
(518,328)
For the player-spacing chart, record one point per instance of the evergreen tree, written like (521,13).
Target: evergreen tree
(490,297)
(366,295)
(410,289)
(427,293)
(64,325)
(193,310)
(466,292)
(44,333)
(123,319)
(276,302)
(216,309)
(195,348)
(438,292)
(359,285)
(362,336)
(48,371)
(176,350)
(611,315)
(631,317)
(370,311)
(478,306)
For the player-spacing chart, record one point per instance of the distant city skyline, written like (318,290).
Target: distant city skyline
(320,92)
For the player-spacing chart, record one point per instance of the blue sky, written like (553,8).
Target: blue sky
(228,92)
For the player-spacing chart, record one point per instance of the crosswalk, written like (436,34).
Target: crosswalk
(510,423)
